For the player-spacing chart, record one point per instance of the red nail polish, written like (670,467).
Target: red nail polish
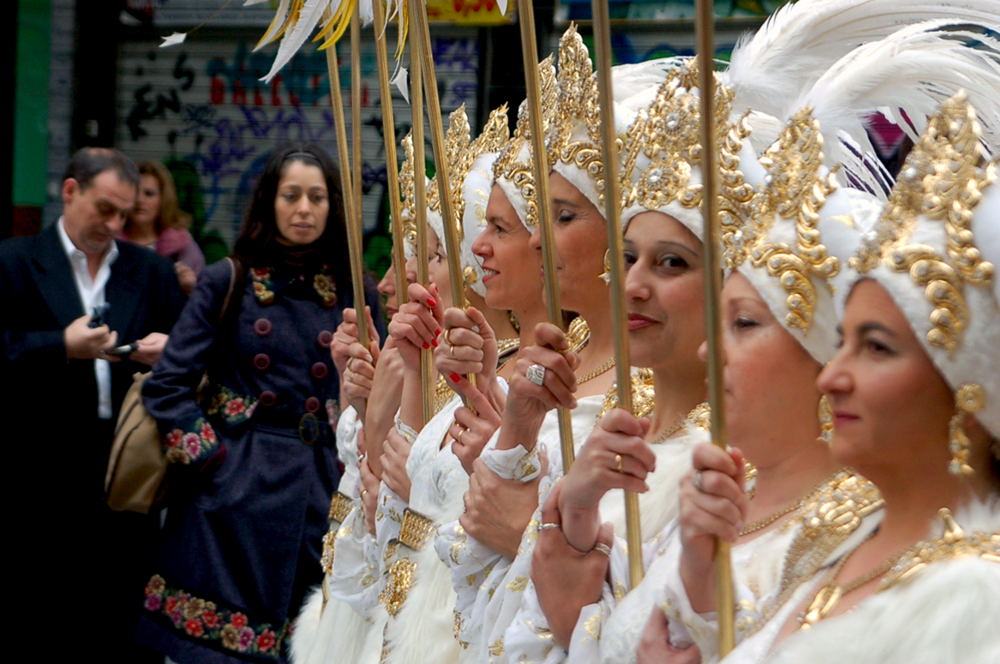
(426,346)
(437,332)
(431,302)
(454,377)
(434,342)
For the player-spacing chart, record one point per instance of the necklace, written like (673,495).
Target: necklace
(598,371)
(830,595)
(669,431)
(760,524)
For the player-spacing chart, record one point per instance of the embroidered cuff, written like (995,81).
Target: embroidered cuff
(405,430)
(514,464)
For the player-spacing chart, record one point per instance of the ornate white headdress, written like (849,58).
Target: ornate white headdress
(935,250)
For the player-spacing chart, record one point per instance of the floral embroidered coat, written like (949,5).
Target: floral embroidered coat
(254,464)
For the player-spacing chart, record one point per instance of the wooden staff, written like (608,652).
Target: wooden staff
(612,213)
(389,136)
(418,14)
(421,30)
(529,53)
(419,203)
(356,174)
(351,215)
(724,600)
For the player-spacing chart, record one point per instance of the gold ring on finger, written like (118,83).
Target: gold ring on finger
(618,463)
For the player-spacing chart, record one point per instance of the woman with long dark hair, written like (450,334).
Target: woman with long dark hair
(254,462)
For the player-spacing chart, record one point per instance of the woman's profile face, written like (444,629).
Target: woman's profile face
(664,287)
(510,266)
(301,205)
(147,203)
(437,266)
(581,240)
(769,378)
(888,398)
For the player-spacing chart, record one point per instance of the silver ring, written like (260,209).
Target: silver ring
(546,526)
(603,548)
(536,374)
(697,481)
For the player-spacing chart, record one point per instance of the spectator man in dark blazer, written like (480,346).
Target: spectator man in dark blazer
(64,376)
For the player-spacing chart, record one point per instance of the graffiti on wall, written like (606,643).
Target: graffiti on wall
(213,112)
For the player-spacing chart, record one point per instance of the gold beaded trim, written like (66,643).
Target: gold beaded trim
(340,507)
(943,179)
(399,579)
(416,529)
(954,543)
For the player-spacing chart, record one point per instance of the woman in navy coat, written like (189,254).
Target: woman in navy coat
(254,460)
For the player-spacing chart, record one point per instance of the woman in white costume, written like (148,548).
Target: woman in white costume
(349,622)
(793,469)
(914,390)
(490,564)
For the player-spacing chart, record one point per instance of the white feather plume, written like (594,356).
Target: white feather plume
(914,69)
(310,16)
(800,41)
(280,16)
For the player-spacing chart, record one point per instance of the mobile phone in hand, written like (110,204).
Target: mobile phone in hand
(121,351)
(100,315)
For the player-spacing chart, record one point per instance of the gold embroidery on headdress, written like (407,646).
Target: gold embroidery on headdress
(667,135)
(406,188)
(796,190)
(521,173)
(942,179)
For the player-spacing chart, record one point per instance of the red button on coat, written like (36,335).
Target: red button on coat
(262,326)
(312,404)
(324,338)
(268,398)
(320,370)
(261,361)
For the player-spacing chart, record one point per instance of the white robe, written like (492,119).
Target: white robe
(610,631)
(948,612)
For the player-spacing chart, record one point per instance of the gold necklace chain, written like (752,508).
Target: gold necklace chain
(669,431)
(827,597)
(597,372)
(760,524)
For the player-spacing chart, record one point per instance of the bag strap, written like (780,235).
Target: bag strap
(229,292)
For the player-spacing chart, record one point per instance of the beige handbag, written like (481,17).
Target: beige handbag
(137,466)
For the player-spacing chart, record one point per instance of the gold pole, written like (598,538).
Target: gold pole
(351,215)
(356,174)
(389,136)
(420,213)
(612,212)
(418,14)
(724,600)
(529,53)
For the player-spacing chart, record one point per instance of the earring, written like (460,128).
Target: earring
(969,398)
(825,414)
(606,275)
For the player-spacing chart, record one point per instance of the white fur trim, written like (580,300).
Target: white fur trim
(947,613)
